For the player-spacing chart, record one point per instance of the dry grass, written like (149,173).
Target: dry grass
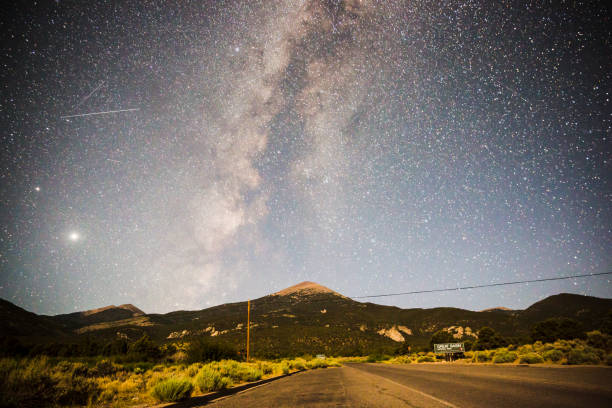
(47,382)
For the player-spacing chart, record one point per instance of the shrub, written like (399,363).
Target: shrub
(599,340)
(609,359)
(193,369)
(531,358)
(74,390)
(266,368)
(298,364)
(173,389)
(578,356)
(105,368)
(35,382)
(489,339)
(480,357)
(425,359)
(507,357)
(143,349)
(553,355)
(285,368)
(403,360)
(209,379)
(238,371)
(316,363)
(557,328)
(374,358)
(249,374)
(202,350)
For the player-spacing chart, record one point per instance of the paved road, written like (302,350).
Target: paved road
(433,386)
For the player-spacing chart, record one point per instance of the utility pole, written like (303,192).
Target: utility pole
(248,328)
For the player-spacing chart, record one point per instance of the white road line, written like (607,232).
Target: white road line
(448,404)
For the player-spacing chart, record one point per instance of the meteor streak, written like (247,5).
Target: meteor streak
(99,113)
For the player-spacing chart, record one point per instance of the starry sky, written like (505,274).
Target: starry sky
(369,146)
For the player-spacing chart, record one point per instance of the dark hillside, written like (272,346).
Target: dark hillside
(306,318)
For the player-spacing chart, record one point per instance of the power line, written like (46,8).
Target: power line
(484,286)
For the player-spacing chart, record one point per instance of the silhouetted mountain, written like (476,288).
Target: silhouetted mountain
(588,310)
(305,318)
(19,323)
(104,314)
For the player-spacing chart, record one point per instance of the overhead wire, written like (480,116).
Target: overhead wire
(483,286)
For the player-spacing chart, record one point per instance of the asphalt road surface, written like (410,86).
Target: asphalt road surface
(433,386)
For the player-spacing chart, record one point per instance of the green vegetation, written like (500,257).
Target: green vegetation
(426,359)
(441,336)
(172,389)
(99,381)
(531,358)
(504,356)
(489,339)
(566,352)
(553,355)
(559,328)
(583,356)
(209,379)
(204,350)
(481,356)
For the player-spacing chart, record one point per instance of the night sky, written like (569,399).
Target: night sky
(369,146)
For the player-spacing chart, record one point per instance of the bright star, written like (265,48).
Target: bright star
(74,236)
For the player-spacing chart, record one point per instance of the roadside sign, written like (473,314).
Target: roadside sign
(321,356)
(449,348)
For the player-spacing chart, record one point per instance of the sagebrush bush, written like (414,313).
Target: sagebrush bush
(298,364)
(531,358)
(36,382)
(403,360)
(599,340)
(238,371)
(553,355)
(507,357)
(480,357)
(105,368)
(173,389)
(193,369)
(578,356)
(249,374)
(266,368)
(525,349)
(209,379)
(316,363)
(425,359)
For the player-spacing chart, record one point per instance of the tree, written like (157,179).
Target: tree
(489,339)
(606,325)
(441,336)
(144,349)
(560,328)
(202,350)
(403,348)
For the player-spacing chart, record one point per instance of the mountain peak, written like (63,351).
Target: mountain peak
(306,287)
(495,309)
(129,307)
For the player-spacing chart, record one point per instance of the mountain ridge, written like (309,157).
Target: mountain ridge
(305,318)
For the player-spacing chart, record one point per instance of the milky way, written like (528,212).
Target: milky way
(241,147)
